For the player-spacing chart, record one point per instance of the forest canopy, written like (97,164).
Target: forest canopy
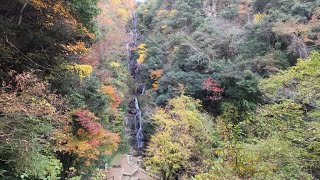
(253,67)
(211,89)
(60,96)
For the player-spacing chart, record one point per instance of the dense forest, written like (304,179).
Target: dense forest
(196,89)
(63,86)
(237,85)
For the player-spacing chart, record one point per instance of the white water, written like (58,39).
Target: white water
(138,124)
(134,70)
(143,89)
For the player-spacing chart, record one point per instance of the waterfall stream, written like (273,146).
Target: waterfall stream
(138,125)
(135,122)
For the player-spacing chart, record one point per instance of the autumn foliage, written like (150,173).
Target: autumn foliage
(112,21)
(156,75)
(56,56)
(112,93)
(212,87)
(142,51)
(89,140)
(87,120)
(28,95)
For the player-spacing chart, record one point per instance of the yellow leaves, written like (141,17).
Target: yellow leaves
(82,146)
(166,13)
(123,13)
(173,12)
(142,51)
(39,4)
(118,11)
(115,64)
(258,17)
(89,34)
(48,24)
(161,13)
(115,1)
(156,75)
(41,103)
(181,132)
(54,11)
(164,28)
(58,8)
(82,70)
(49,21)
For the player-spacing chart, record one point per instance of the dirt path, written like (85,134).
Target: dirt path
(126,167)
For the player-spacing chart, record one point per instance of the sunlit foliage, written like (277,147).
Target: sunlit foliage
(89,139)
(82,70)
(182,142)
(155,75)
(142,53)
(112,92)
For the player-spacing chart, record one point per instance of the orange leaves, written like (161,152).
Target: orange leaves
(77,48)
(244,7)
(155,75)
(112,93)
(90,139)
(29,96)
(112,21)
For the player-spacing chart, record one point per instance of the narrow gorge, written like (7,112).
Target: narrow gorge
(134,122)
(129,166)
(159,89)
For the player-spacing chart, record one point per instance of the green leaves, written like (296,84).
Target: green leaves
(267,116)
(182,139)
(38,166)
(300,83)
(292,112)
(86,10)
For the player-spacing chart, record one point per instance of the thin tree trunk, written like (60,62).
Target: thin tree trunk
(21,12)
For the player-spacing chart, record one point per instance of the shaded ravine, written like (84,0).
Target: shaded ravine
(128,166)
(134,124)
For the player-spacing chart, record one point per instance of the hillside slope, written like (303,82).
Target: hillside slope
(249,64)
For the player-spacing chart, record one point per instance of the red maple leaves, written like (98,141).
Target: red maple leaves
(213,88)
(86,119)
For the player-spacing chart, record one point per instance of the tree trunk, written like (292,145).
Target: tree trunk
(21,12)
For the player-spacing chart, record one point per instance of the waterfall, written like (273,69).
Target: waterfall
(136,124)
(143,89)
